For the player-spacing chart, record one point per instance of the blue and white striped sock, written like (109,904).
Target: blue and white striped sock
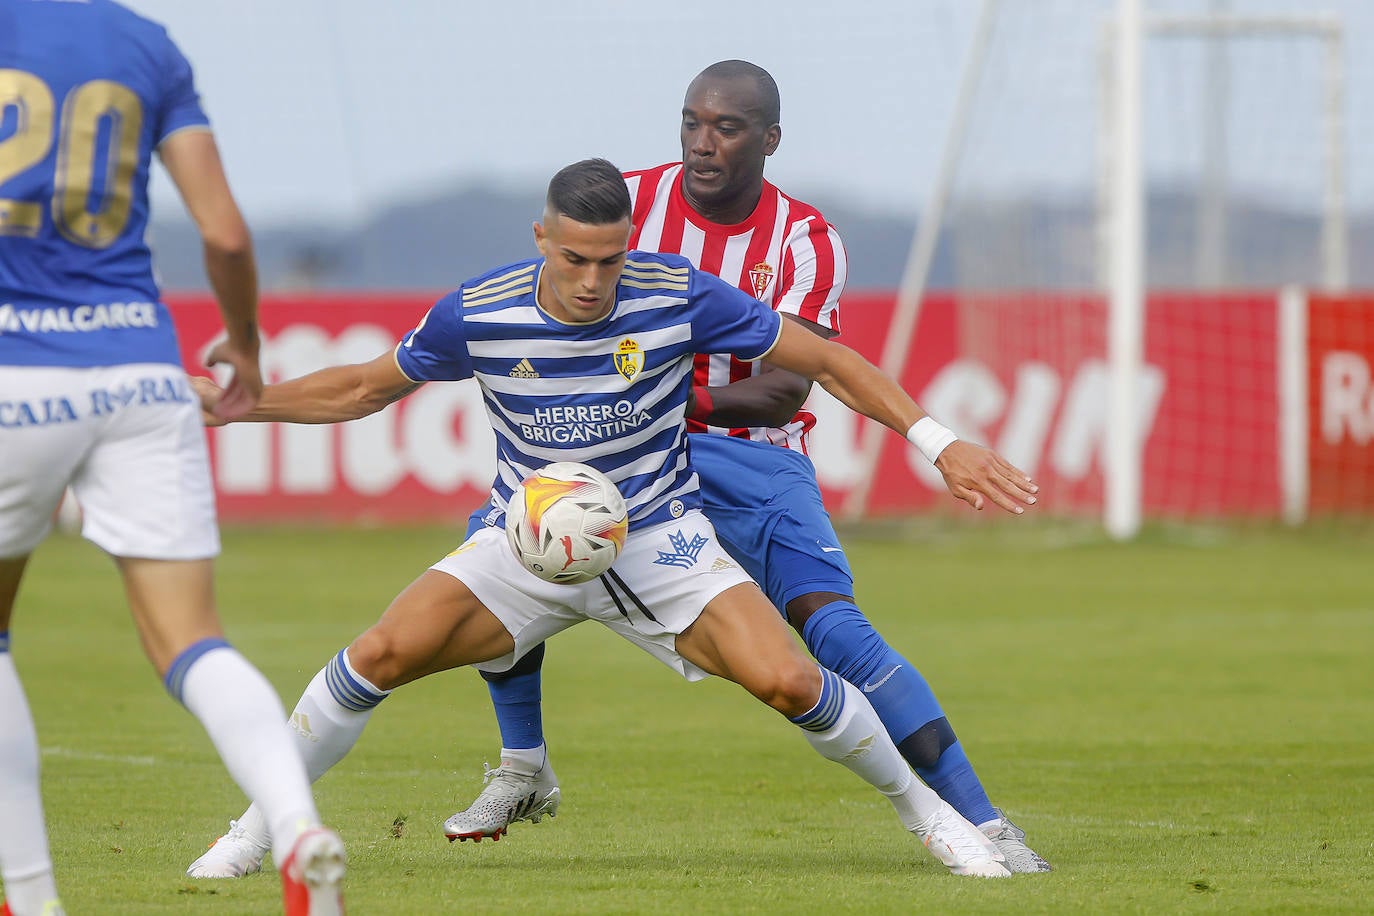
(330,715)
(327,721)
(243,715)
(828,709)
(349,688)
(175,678)
(843,727)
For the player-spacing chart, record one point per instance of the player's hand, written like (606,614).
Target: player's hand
(210,395)
(245,382)
(976,474)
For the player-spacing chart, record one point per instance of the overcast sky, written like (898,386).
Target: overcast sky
(328,109)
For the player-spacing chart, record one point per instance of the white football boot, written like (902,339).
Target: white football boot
(960,845)
(509,796)
(233,855)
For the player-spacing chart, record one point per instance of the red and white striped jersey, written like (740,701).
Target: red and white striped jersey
(785,254)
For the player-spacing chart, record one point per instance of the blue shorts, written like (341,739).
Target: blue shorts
(767,510)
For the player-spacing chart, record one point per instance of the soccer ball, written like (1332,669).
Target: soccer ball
(566,522)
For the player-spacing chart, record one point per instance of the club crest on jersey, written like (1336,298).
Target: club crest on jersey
(760,275)
(629,358)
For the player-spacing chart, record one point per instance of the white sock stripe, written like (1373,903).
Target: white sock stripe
(348,688)
(826,713)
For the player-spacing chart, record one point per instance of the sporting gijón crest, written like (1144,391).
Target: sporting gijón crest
(760,275)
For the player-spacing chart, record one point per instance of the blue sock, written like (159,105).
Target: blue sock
(843,640)
(515,695)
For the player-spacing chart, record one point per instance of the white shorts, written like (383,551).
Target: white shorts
(656,589)
(129,442)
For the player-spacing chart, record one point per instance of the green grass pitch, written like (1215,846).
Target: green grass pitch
(1182,725)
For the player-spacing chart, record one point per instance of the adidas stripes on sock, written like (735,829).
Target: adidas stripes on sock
(843,727)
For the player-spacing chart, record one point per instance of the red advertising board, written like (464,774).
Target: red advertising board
(1027,374)
(1024,373)
(1340,387)
(429,457)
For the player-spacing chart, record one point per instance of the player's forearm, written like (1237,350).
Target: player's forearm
(233,276)
(333,395)
(865,389)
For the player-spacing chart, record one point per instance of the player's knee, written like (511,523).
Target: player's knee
(377,655)
(800,608)
(923,747)
(795,687)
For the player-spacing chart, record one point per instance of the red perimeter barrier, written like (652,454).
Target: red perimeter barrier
(1024,373)
(1340,387)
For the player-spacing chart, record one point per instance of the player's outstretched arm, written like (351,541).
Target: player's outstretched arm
(972,472)
(192,160)
(331,395)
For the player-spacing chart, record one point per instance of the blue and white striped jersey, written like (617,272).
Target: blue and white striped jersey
(612,393)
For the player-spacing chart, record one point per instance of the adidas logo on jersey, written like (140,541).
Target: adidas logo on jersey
(523,369)
(721,563)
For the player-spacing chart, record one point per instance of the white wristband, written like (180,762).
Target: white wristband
(930,437)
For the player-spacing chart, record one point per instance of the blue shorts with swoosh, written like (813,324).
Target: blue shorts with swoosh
(767,510)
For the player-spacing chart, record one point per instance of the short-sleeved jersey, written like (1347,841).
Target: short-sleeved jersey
(785,255)
(610,393)
(87,92)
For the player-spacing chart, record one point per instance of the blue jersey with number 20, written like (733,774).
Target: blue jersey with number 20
(87,91)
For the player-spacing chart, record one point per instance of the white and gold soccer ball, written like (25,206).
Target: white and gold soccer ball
(567,522)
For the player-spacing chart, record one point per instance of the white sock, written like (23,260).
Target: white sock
(25,864)
(859,742)
(246,723)
(527,761)
(324,731)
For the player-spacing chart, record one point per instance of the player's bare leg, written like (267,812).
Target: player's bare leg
(435,624)
(172,602)
(740,637)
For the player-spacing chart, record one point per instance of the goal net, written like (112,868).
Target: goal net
(1242,182)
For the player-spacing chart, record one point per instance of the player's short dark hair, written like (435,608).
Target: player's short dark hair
(591,191)
(767,86)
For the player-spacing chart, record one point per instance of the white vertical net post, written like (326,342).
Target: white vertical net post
(1126,308)
(1293,403)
